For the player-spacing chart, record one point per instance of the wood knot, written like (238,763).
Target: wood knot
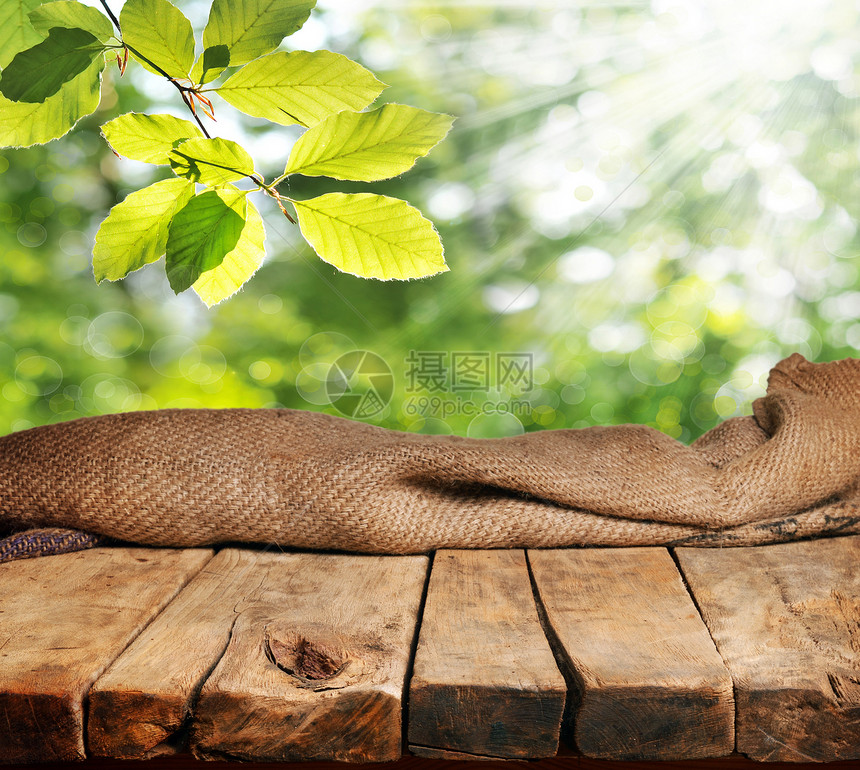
(311,661)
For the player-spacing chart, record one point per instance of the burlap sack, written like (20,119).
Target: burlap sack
(309,480)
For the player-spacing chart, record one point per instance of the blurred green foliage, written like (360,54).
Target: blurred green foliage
(656,202)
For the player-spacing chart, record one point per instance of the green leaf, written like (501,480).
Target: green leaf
(16,32)
(300,87)
(238,265)
(23,124)
(367,146)
(71,14)
(372,236)
(202,233)
(211,161)
(148,138)
(250,28)
(158,31)
(135,231)
(39,72)
(210,64)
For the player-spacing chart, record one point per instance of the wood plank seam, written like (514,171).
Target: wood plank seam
(572,678)
(183,734)
(485,683)
(786,619)
(179,740)
(647,680)
(141,630)
(674,554)
(105,739)
(407,680)
(768,736)
(166,604)
(69,613)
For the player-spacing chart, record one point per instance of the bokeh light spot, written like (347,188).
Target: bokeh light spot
(38,375)
(431,426)
(495,424)
(602,412)
(202,364)
(435,28)
(73,243)
(74,329)
(165,354)
(725,406)
(312,384)
(543,415)
(32,235)
(586,265)
(510,297)
(450,201)
(572,394)
(324,347)
(270,304)
(114,334)
(259,370)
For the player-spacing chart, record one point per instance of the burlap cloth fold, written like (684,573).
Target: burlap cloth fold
(309,480)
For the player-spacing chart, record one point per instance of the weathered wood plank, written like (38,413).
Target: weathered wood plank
(485,681)
(647,681)
(786,619)
(317,661)
(63,619)
(141,704)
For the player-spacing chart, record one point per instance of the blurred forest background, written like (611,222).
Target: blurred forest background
(653,202)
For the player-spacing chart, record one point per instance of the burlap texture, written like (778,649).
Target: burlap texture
(309,480)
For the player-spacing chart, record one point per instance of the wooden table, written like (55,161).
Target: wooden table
(587,654)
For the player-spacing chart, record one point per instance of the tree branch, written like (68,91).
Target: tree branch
(188,103)
(112,17)
(179,87)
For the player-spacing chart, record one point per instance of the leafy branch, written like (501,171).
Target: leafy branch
(207,228)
